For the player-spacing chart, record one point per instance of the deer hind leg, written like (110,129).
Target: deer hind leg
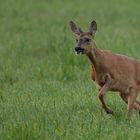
(136,104)
(107,86)
(132,101)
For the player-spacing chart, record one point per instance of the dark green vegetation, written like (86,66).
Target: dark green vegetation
(46,91)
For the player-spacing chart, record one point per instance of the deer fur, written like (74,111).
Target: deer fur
(112,72)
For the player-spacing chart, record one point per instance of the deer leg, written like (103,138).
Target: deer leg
(93,74)
(132,101)
(103,91)
(136,104)
(124,97)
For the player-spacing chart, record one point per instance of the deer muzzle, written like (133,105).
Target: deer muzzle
(79,50)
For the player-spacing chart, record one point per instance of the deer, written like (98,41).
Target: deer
(110,71)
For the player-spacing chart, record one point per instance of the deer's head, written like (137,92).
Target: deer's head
(84,40)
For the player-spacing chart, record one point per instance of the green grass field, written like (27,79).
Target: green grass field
(46,92)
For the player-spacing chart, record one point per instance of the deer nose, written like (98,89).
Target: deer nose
(77,49)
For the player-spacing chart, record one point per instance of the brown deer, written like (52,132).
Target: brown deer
(112,72)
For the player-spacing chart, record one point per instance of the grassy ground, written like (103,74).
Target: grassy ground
(46,91)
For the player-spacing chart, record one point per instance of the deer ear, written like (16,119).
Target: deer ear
(93,28)
(75,29)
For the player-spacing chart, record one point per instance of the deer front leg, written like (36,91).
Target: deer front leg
(102,92)
(93,74)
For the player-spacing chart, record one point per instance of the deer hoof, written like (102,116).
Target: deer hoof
(108,111)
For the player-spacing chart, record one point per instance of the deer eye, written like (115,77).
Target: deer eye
(76,40)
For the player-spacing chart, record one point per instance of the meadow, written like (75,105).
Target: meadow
(46,91)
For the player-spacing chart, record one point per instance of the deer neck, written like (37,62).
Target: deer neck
(95,56)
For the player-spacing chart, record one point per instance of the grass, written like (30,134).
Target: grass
(46,92)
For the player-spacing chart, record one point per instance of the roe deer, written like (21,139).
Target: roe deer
(112,72)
